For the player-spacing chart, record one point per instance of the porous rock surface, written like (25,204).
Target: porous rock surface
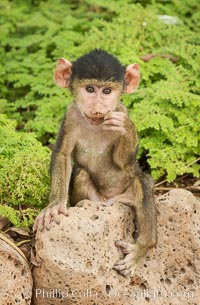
(170,273)
(76,257)
(15,277)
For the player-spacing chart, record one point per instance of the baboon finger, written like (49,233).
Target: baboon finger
(119,267)
(125,247)
(47,220)
(41,223)
(56,218)
(125,272)
(63,210)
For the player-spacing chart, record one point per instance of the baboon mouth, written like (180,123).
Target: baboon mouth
(94,121)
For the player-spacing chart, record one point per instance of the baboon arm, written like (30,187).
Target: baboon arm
(60,178)
(126,146)
(61,167)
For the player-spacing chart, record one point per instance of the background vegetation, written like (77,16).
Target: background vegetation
(165,108)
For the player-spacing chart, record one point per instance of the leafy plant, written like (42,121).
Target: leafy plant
(24,177)
(165,107)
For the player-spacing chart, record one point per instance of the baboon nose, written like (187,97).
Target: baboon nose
(97,113)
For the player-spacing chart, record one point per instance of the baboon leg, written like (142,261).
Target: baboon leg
(143,203)
(82,187)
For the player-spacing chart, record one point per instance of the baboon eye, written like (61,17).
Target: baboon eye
(107,91)
(90,89)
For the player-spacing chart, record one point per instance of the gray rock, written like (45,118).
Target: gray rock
(170,274)
(77,256)
(15,277)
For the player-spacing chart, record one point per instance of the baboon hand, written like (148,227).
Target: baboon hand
(48,215)
(115,121)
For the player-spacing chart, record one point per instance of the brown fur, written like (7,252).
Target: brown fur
(105,170)
(97,136)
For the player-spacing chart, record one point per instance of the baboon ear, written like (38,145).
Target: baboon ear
(132,78)
(63,72)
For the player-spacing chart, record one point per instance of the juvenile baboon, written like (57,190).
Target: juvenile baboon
(98,136)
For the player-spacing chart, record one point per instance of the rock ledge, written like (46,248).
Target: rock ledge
(76,257)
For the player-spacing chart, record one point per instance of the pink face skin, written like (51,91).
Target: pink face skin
(96,102)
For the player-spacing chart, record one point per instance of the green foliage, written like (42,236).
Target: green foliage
(22,218)
(165,108)
(166,114)
(24,178)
